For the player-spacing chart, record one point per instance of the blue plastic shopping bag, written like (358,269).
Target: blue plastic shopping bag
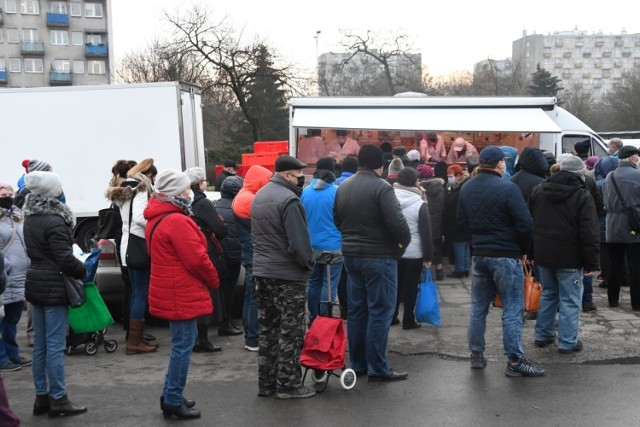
(427,305)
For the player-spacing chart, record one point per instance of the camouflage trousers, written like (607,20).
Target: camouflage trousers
(281,314)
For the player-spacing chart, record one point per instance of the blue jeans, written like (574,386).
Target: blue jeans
(587,284)
(139,292)
(561,289)
(183,338)
(505,276)
(8,327)
(317,287)
(462,255)
(372,291)
(50,329)
(250,307)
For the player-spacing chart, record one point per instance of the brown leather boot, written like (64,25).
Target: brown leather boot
(134,341)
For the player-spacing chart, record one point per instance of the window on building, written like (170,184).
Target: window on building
(78,66)
(75,8)
(96,67)
(14,65)
(61,65)
(93,10)
(59,7)
(94,39)
(29,7)
(30,35)
(3,65)
(12,35)
(77,38)
(33,65)
(10,6)
(1,36)
(59,37)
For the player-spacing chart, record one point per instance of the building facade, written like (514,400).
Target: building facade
(592,62)
(54,43)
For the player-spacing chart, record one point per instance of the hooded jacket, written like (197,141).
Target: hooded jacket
(532,171)
(628,179)
(452,232)
(48,226)
(231,242)
(15,253)
(436,196)
(603,167)
(565,224)
(415,211)
(210,222)
(318,200)
(181,271)
(510,154)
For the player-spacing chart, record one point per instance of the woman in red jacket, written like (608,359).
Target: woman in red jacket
(181,272)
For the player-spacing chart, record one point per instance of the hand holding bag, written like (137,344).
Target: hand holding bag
(75,290)
(427,305)
(532,292)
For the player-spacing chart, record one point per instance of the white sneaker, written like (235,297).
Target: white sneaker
(250,348)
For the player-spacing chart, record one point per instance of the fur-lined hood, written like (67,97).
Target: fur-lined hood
(36,204)
(124,192)
(425,183)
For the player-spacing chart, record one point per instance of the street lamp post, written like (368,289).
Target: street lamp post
(317,37)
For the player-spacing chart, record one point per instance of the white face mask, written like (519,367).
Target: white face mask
(451,180)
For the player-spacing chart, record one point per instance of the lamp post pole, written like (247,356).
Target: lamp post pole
(317,37)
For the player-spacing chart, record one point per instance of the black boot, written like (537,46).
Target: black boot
(41,405)
(185,402)
(181,412)
(63,406)
(203,345)
(227,328)
(439,274)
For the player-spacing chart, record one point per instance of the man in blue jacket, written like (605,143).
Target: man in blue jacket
(493,210)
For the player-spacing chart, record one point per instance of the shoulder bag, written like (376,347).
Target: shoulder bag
(633,216)
(74,289)
(137,255)
(532,292)
(109,222)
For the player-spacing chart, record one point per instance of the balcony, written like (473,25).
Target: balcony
(578,65)
(60,78)
(586,75)
(599,43)
(566,55)
(559,43)
(606,54)
(619,43)
(547,54)
(57,19)
(94,50)
(566,75)
(3,76)
(606,74)
(617,64)
(598,65)
(626,54)
(557,65)
(32,47)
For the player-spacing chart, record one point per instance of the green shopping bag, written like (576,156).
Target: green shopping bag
(92,315)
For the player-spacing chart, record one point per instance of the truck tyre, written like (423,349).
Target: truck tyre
(85,233)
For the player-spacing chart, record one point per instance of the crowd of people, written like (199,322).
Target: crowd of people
(362,233)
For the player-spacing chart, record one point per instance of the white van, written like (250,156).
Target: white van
(482,121)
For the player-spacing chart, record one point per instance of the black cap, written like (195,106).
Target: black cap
(287,163)
(582,147)
(432,137)
(326,163)
(627,151)
(399,151)
(350,164)
(370,157)
(230,164)
(341,132)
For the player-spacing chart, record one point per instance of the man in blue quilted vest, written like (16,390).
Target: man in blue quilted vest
(493,210)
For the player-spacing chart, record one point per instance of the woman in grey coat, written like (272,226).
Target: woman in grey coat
(16,266)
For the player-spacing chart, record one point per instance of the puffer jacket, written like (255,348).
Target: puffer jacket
(181,271)
(533,168)
(48,226)
(436,196)
(282,246)
(3,276)
(452,232)
(15,253)
(368,215)
(416,212)
(231,243)
(318,200)
(209,220)
(510,154)
(565,230)
(123,197)
(628,180)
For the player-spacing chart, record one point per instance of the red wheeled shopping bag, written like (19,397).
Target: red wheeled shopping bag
(324,345)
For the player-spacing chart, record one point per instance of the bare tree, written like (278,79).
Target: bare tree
(456,84)
(623,103)
(579,102)
(499,78)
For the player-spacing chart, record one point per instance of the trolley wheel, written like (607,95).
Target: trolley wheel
(69,350)
(348,379)
(90,348)
(110,346)
(318,376)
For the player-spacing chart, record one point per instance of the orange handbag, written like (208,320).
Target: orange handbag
(532,291)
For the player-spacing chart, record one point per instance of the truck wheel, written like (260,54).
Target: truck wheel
(86,233)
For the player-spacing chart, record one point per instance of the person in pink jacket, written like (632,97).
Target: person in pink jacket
(432,148)
(460,150)
(343,146)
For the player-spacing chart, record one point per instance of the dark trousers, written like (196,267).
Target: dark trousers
(342,292)
(605,263)
(617,253)
(228,285)
(409,271)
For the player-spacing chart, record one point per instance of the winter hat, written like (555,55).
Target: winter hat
(230,164)
(395,166)
(38,165)
(604,166)
(582,147)
(326,163)
(432,137)
(341,132)
(590,163)
(350,164)
(399,151)
(25,165)
(413,155)
(370,157)
(43,183)
(473,160)
(459,144)
(172,182)
(231,185)
(574,165)
(5,185)
(196,175)
(627,151)
(286,162)
(424,171)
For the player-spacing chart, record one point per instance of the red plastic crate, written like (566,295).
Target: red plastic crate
(250,159)
(280,147)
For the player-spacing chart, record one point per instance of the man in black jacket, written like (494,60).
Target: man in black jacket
(565,241)
(374,235)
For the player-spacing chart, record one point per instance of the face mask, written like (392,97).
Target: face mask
(300,181)
(6,202)
(451,180)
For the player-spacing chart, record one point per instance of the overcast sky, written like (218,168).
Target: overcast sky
(451,35)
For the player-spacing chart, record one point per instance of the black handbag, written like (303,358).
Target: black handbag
(137,255)
(75,290)
(109,222)
(633,216)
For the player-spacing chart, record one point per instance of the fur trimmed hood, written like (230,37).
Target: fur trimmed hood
(124,192)
(42,205)
(425,183)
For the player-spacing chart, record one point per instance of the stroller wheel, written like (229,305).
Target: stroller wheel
(318,376)
(110,346)
(348,379)
(90,348)
(69,350)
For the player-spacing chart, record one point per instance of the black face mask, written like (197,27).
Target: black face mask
(300,181)
(6,202)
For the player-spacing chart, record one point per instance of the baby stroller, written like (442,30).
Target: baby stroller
(325,345)
(78,335)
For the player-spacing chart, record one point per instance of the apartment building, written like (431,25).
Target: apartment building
(593,62)
(54,43)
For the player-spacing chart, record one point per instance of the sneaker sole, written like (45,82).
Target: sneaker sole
(17,368)
(478,365)
(513,374)
(285,396)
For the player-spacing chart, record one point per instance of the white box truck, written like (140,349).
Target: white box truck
(515,121)
(83,130)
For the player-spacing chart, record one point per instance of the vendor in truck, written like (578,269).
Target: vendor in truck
(343,146)
(312,147)
(460,150)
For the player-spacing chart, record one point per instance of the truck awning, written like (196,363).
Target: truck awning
(420,119)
